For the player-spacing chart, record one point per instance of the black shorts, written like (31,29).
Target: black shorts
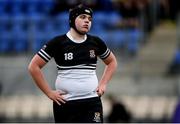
(79,111)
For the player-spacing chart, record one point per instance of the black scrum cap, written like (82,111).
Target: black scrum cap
(76,11)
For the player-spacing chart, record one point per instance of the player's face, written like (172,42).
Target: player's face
(83,23)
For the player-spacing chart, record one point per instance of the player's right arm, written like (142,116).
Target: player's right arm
(34,68)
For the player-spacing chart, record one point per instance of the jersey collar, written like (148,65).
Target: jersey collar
(68,34)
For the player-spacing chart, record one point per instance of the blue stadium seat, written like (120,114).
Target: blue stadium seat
(38,42)
(5,6)
(20,37)
(32,7)
(98,22)
(103,24)
(117,38)
(42,30)
(4,22)
(5,34)
(63,19)
(99,16)
(113,17)
(133,40)
(49,29)
(16,7)
(39,6)
(102,34)
(105,37)
(2,7)
(20,30)
(57,25)
(45,5)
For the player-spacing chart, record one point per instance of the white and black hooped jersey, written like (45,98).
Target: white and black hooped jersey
(76,63)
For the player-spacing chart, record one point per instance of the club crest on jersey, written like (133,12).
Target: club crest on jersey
(97,117)
(92,53)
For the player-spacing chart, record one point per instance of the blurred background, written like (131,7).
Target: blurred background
(143,34)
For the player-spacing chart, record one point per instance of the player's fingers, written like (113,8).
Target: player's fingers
(61,100)
(57,102)
(100,92)
(61,97)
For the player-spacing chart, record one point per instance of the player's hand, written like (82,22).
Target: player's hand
(57,96)
(101,89)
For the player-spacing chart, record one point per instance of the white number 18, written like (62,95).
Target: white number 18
(68,56)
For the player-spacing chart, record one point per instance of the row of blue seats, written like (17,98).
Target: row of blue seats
(21,2)
(25,6)
(24,42)
(21,41)
(60,22)
(22,34)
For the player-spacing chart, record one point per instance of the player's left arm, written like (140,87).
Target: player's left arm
(111,65)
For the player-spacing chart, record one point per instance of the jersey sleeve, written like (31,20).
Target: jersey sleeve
(103,51)
(47,51)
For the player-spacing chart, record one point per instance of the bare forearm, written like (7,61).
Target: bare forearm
(35,70)
(110,68)
(108,72)
(39,79)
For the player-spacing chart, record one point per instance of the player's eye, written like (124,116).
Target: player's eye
(90,19)
(85,16)
(82,16)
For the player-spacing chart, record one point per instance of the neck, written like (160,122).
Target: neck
(75,35)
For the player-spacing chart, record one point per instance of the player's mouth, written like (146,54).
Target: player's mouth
(86,26)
